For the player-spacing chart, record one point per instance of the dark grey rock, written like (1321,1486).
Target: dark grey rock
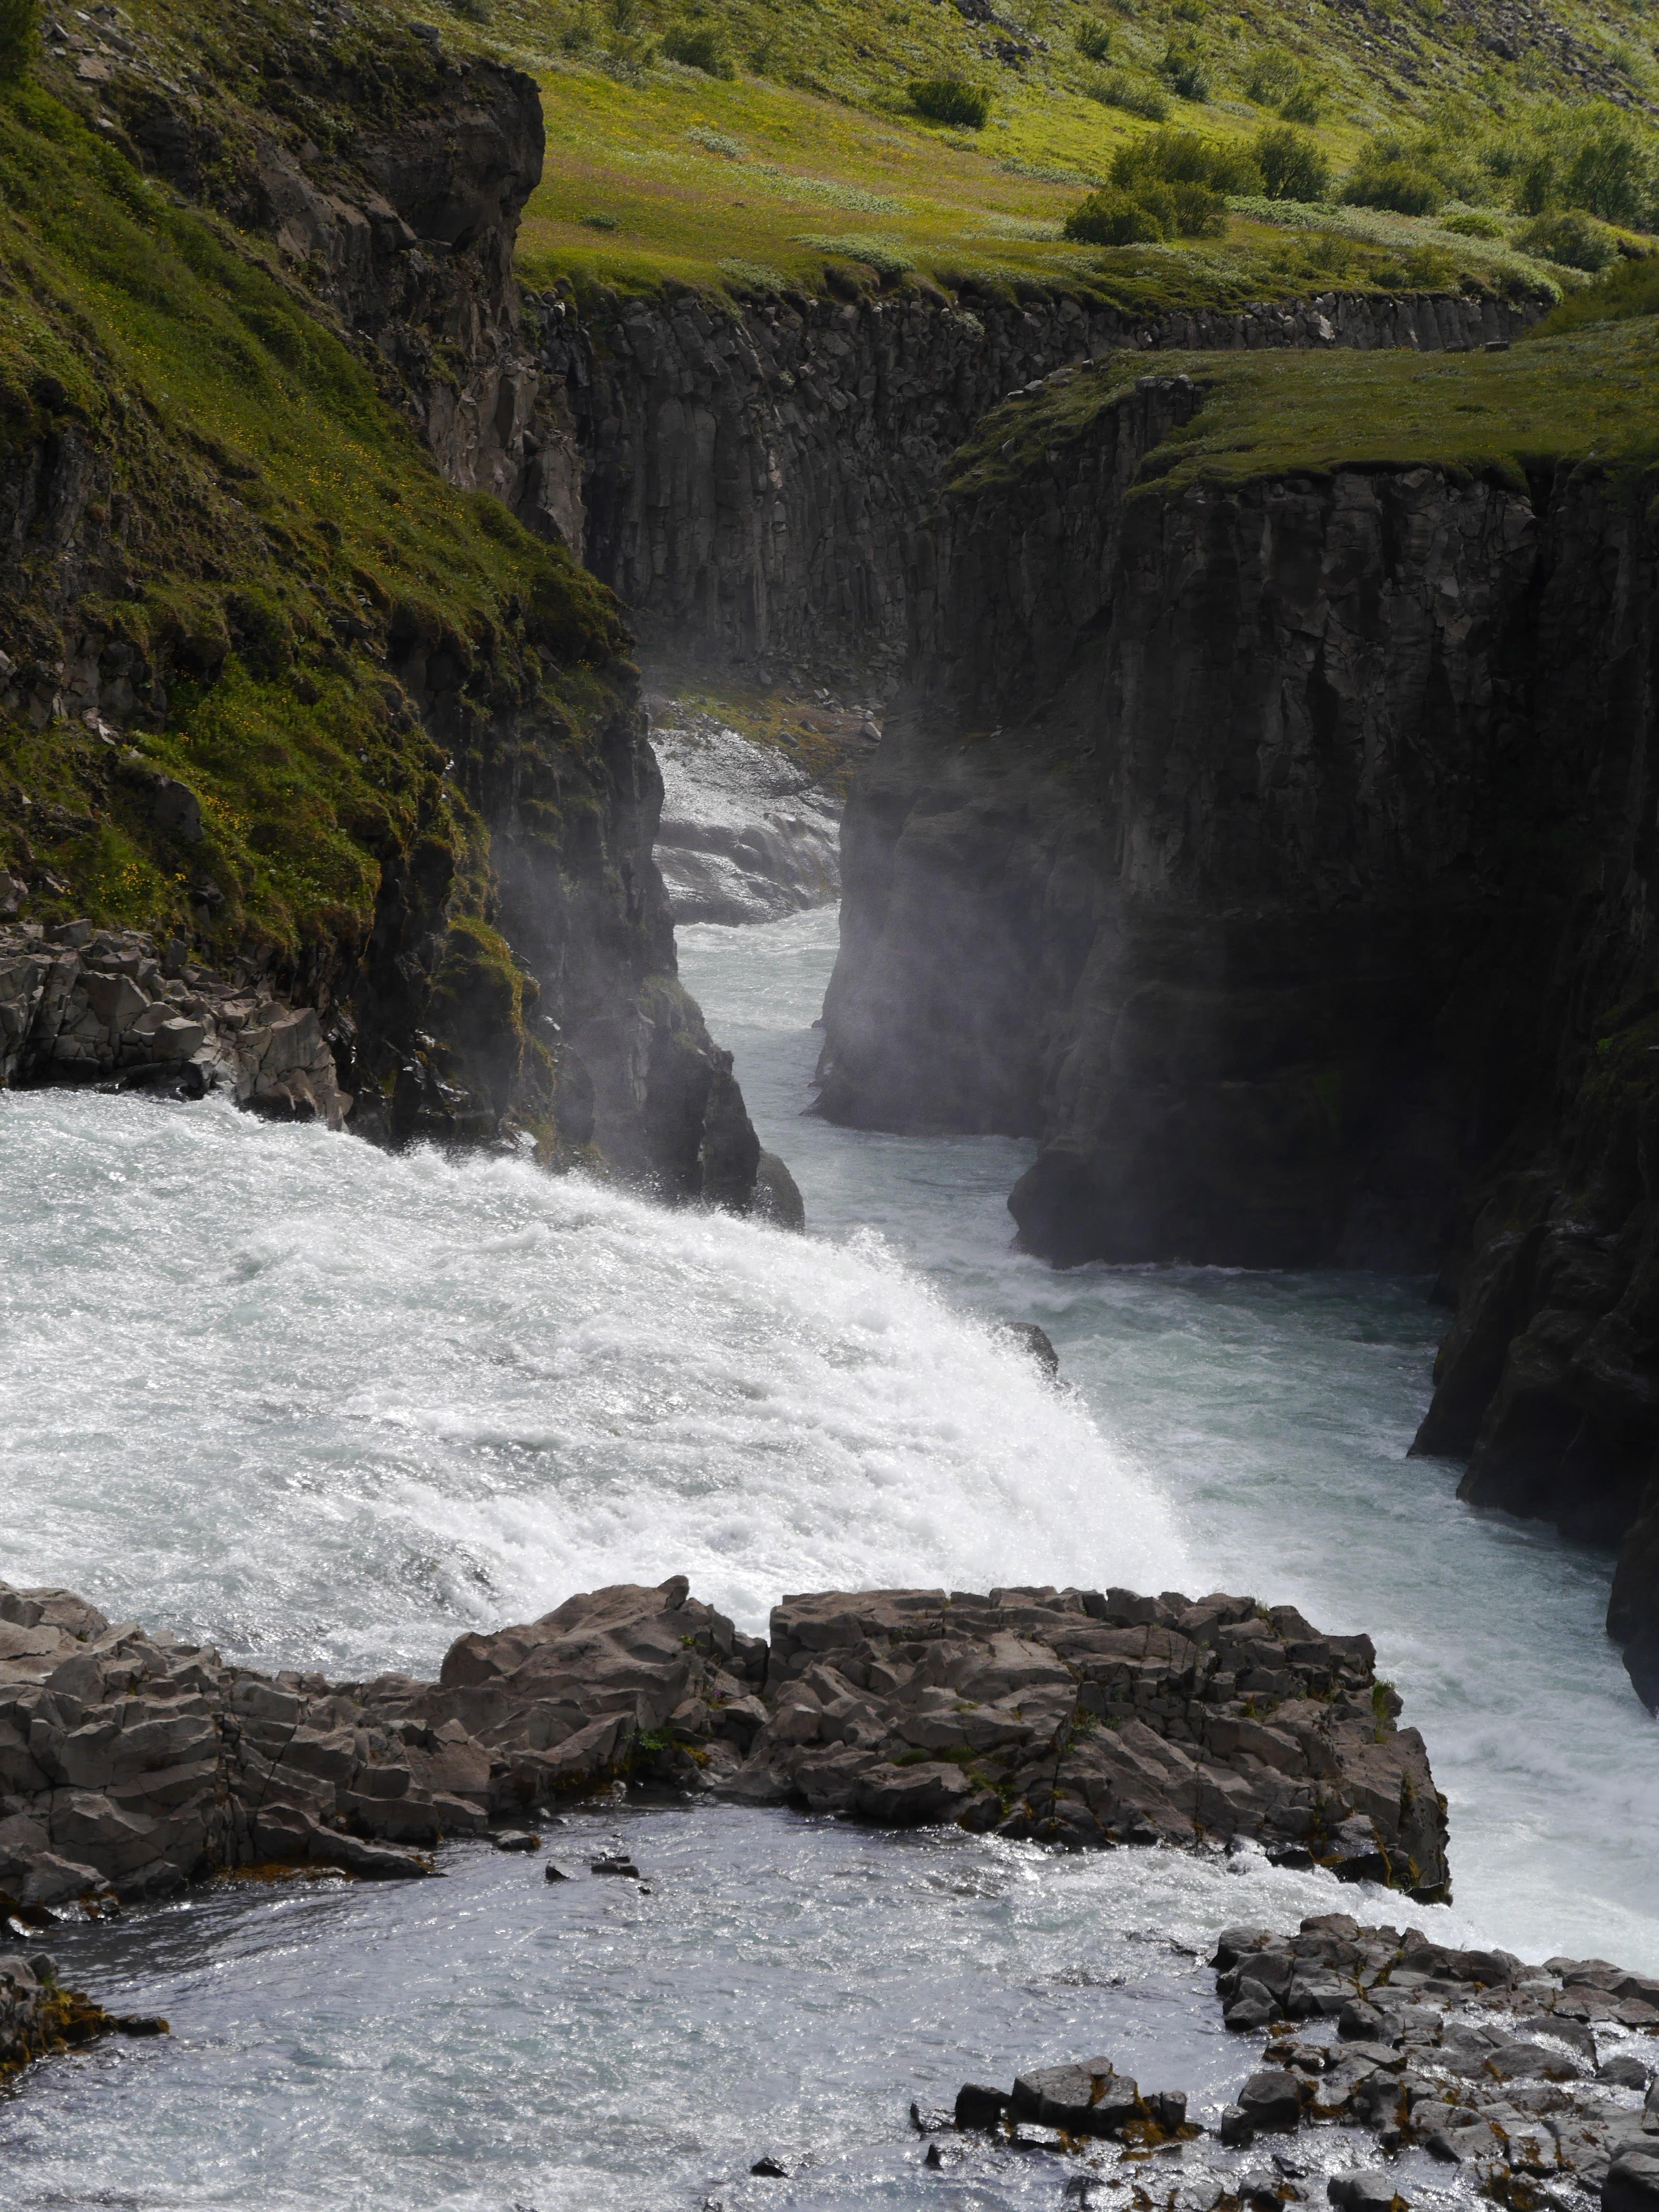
(1633,2182)
(978,2107)
(1625,2072)
(516,1839)
(1236,2128)
(1087,2099)
(1371,2190)
(1271,2099)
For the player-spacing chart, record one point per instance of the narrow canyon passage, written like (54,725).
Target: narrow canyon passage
(328,1405)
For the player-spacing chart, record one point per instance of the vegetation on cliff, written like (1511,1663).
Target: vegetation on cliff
(1589,395)
(260,524)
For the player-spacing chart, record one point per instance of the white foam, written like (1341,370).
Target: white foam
(330,1406)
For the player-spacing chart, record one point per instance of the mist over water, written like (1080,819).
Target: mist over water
(1270,1414)
(328,1407)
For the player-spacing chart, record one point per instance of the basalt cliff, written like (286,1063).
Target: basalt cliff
(1265,827)
(299,719)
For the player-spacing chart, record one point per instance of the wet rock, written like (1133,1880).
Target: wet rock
(770,2169)
(551,1873)
(1625,2072)
(617,1866)
(978,2107)
(1371,2190)
(516,1839)
(932,2119)
(1036,1342)
(1633,2182)
(1235,2128)
(1271,2099)
(1088,2099)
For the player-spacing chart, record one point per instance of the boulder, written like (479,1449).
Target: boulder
(1087,2099)
(1632,2183)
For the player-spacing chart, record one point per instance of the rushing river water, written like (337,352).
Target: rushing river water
(328,1407)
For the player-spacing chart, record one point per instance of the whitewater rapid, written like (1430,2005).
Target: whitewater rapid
(328,1407)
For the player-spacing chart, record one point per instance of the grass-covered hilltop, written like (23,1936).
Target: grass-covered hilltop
(750,144)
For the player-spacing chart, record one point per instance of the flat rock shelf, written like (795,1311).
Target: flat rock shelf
(134,1764)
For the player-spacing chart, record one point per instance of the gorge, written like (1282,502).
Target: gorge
(1240,670)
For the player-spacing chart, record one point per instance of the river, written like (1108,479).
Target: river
(330,1407)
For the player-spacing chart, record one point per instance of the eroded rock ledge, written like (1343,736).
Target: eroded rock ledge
(132,1763)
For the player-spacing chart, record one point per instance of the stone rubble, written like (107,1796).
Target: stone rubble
(1488,2065)
(84,1006)
(132,1763)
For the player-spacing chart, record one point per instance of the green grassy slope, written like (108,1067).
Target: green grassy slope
(810,152)
(262,522)
(1589,396)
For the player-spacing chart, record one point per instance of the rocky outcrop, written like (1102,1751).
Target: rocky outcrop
(88,1005)
(754,483)
(1086,1718)
(499,960)
(133,1763)
(1275,852)
(1488,2065)
(39,2015)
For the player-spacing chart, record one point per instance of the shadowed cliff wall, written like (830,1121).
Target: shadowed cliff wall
(1279,854)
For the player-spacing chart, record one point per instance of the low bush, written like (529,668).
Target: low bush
(1292,167)
(1630,289)
(1472,222)
(1396,185)
(1112,216)
(700,45)
(1182,69)
(1182,157)
(1094,40)
(1131,96)
(1575,239)
(1123,216)
(951,99)
(1273,79)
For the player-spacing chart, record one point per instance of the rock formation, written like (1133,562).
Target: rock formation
(1487,2063)
(131,1763)
(755,482)
(1273,850)
(498,954)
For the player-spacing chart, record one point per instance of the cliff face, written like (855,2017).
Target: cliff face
(1279,852)
(755,483)
(328,728)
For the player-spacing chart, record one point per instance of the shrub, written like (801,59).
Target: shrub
(1470,222)
(471,11)
(1630,288)
(1121,90)
(1094,40)
(1575,239)
(1183,70)
(1292,167)
(1303,103)
(1113,217)
(1182,157)
(699,46)
(20,36)
(951,99)
(1608,176)
(1273,79)
(1198,212)
(1395,185)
